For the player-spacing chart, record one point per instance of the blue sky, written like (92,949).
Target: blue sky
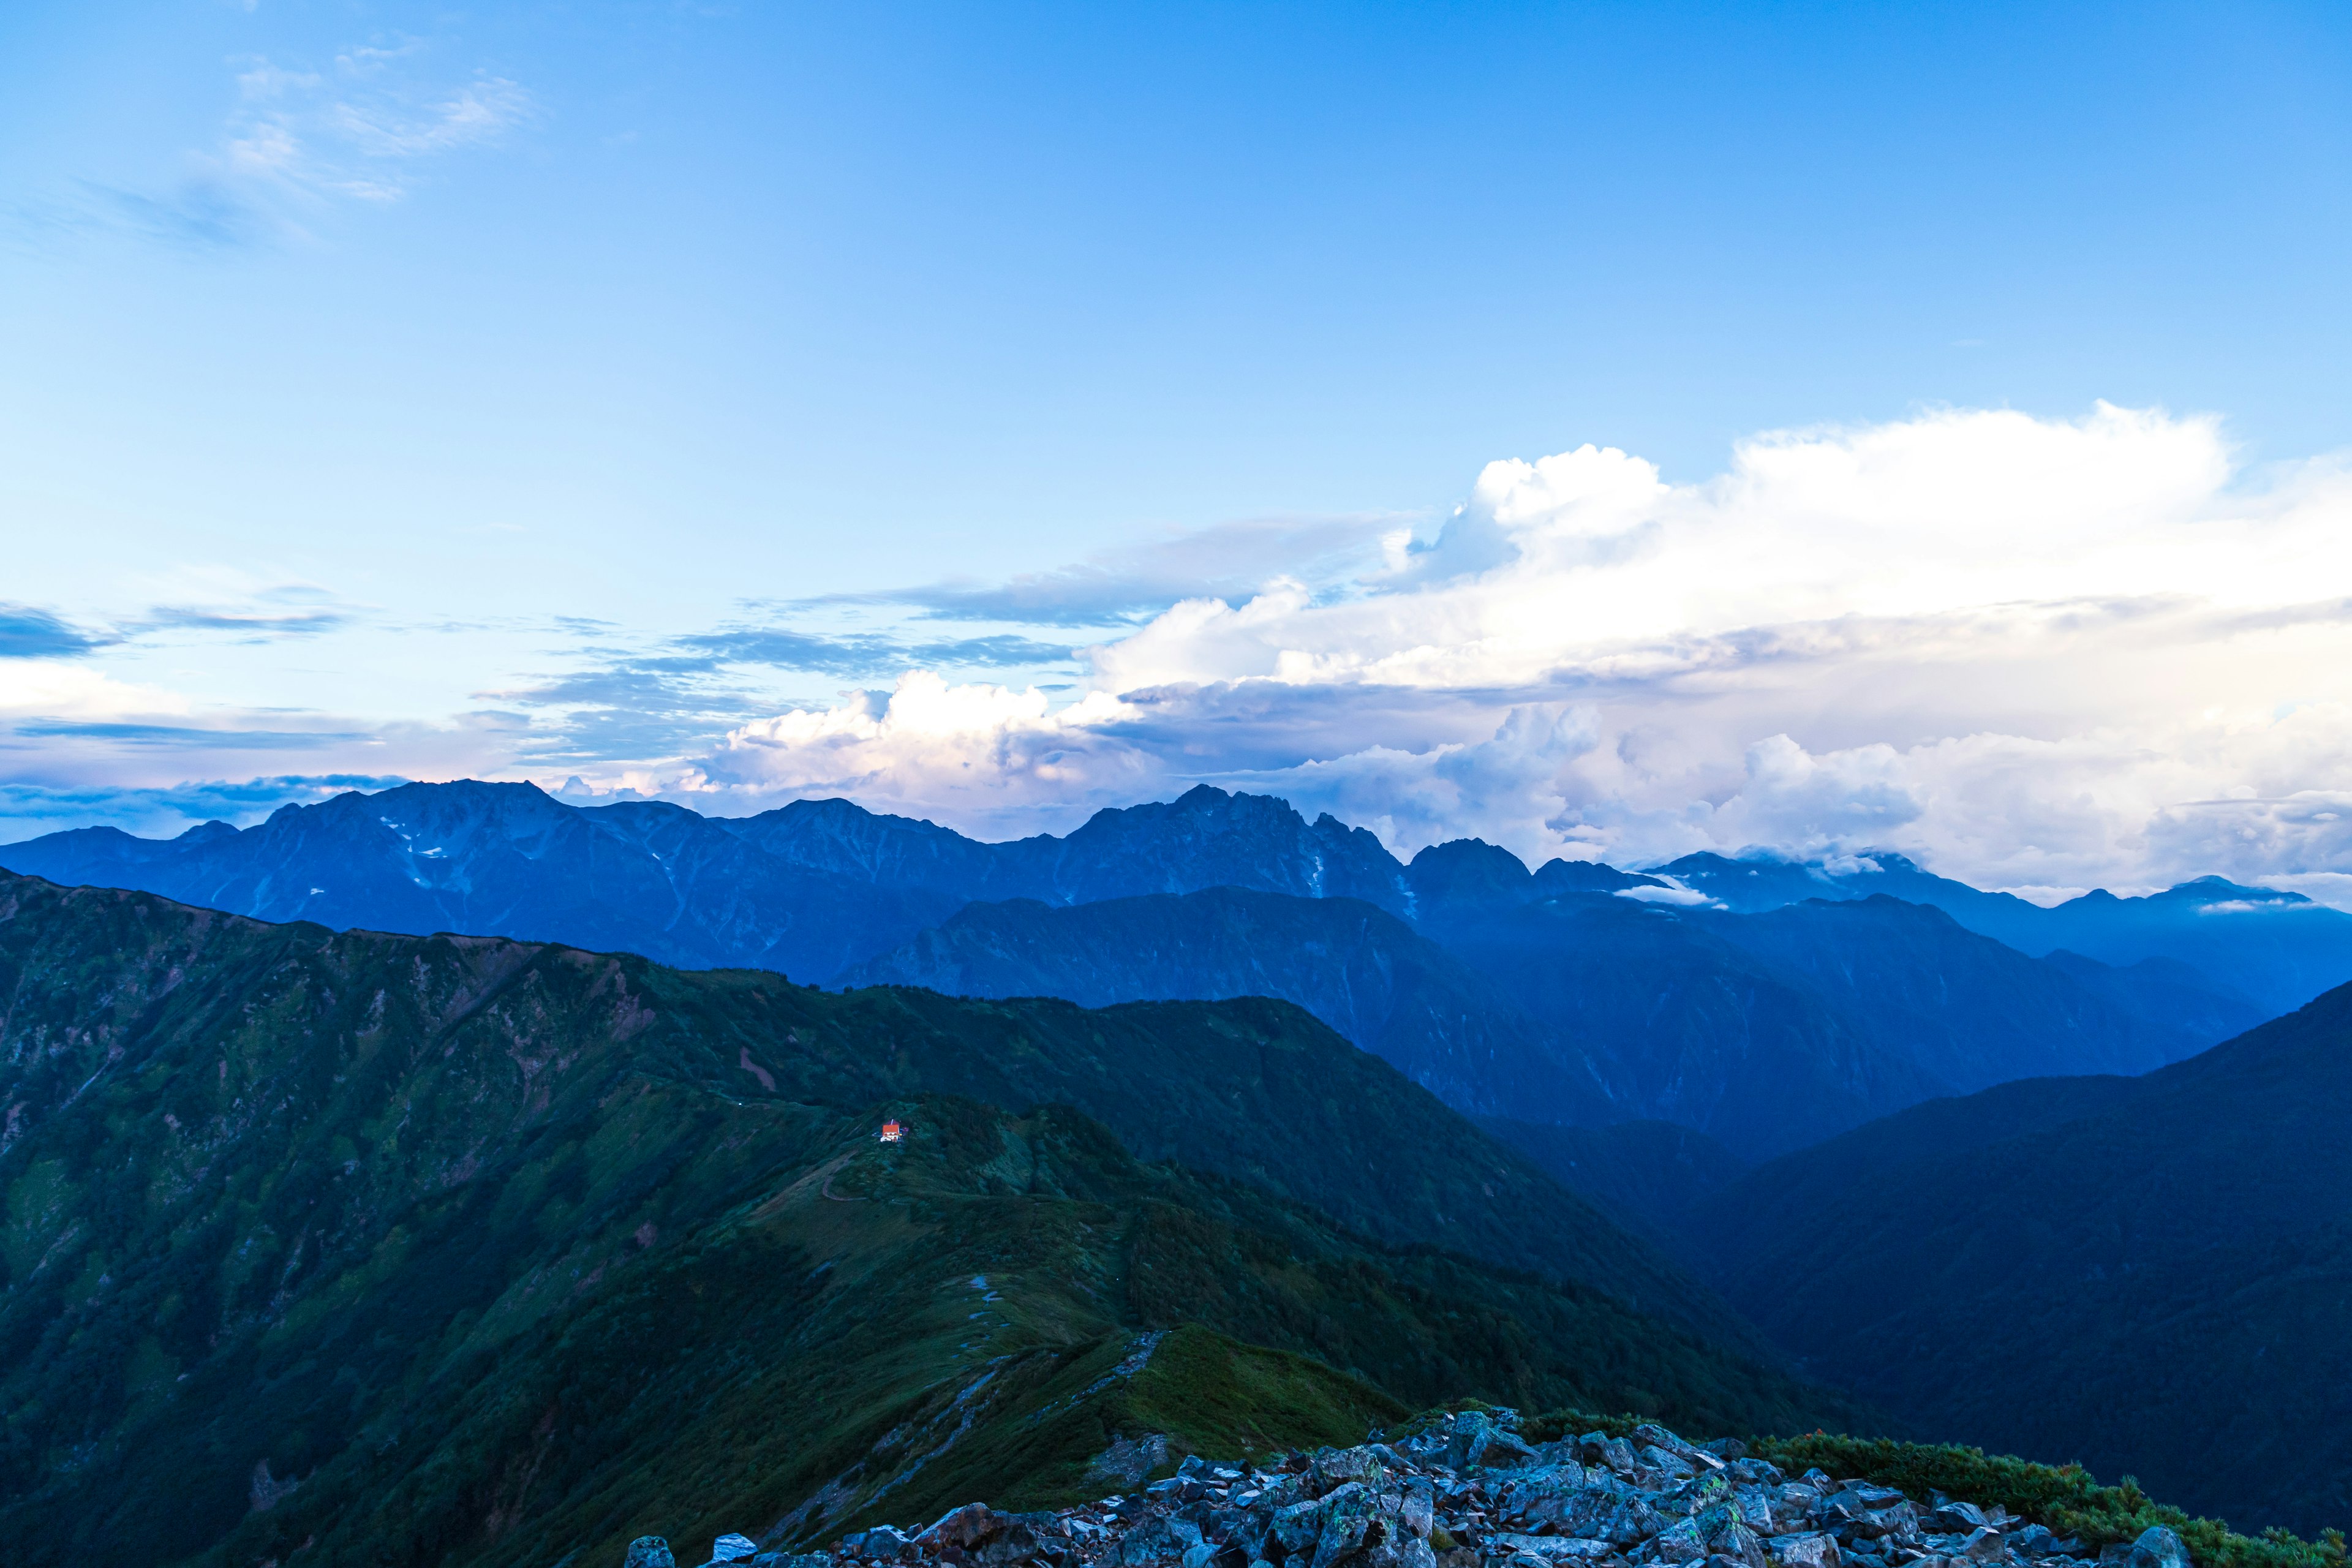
(549,390)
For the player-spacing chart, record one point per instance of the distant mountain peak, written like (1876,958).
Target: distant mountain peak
(2221,890)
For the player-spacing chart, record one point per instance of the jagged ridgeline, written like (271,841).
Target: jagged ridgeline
(439,1249)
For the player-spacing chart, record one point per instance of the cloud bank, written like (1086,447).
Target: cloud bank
(2036,653)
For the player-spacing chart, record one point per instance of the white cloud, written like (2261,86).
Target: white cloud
(2033,652)
(976,753)
(1671,894)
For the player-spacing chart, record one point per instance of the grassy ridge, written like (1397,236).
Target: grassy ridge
(500,1249)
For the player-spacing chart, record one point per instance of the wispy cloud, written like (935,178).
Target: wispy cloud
(366,126)
(363,126)
(863,654)
(187,737)
(256,625)
(28,632)
(1125,587)
(200,213)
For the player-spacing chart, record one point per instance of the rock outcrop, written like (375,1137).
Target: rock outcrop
(1468,1491)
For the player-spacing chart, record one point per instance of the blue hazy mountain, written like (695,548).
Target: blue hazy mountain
(1775,1030)
(495,860)
(1767,1031)
(2149,1273)
(1541,994)
(1204,838)
(1360,970)
(2278,950)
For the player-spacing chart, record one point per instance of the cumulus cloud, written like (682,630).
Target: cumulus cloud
(984,756)
(2032,652)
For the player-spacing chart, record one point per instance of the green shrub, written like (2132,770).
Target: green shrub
(2064,1497)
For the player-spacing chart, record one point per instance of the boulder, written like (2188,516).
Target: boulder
(649,1552)
(1733,1541)
(1650,1435)
(1398,1552)
(1155,1541)
(1811,1549)
(1949,1517)
(1552,1549)
(1335,1468)
(2159,1548)
(1984,1544)
(1297,1527)
(1128,1460)
(882,1540)
(1683,1540)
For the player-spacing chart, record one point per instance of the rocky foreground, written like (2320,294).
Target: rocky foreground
(1468,1492)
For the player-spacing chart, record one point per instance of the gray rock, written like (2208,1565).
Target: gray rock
(1296,1527)
(1155,1541)
(1682,1542)
(1667,1462)
(1651,1435)
(1417,1511)
(1335,1468)
(1733,1540)
(1808,1549)
(649,1552)
(1128,1460)
(882,1540)
(963,1527)
(1398,1552)
(2159,1548)
(1351,1516)
(1552,1549)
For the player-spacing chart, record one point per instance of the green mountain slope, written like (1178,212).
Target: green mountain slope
(482,1244)
(2148,1275)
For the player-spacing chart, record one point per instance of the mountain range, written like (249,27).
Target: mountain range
(330,1226)
(2276,948)
(406,1249)
(1794,1003)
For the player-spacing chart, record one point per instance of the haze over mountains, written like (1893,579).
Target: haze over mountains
(1797,1003)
